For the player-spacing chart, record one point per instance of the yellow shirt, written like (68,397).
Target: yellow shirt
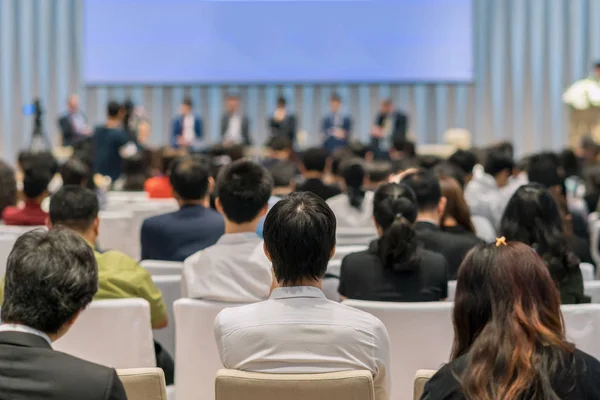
(121,277)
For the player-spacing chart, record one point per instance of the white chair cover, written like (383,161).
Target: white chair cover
(7,242)
(128,197)
(330,288)
(421,336)
(343,251)
(160,267)
(115,333)
(334,267)
(587,271)
(196,356)
(170,287)
(355,236)
(451,290)
(592,289)
(582,324)
(116,232)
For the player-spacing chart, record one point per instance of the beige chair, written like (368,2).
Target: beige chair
(143,383)
(347,385)
(421,378)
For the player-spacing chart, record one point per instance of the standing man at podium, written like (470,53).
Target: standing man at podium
(583,97)
(336,126)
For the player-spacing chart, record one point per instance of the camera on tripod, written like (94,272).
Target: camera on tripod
(38,140)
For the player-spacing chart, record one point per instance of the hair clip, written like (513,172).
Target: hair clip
(500,241)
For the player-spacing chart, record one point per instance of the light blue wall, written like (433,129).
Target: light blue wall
(526,53)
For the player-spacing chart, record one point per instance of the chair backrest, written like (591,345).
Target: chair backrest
(7,241)
(330,288)
(592,289)
(115,231)
(159,267)
(170,287)
(196,356)
(343,251)
(355,236)
(582,324)
(587,271)
(334,267)
(115,333)
(421,378)
(240,385)
(126,196)
(143,383)
(421,336)
(451,290)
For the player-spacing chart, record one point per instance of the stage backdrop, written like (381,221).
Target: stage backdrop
(526,53)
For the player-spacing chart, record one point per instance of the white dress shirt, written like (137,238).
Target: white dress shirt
(297,330)
(187,128)
(235,270)
(350,217)
(233,134)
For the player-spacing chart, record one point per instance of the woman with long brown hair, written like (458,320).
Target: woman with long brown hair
(509,332)
(456,217)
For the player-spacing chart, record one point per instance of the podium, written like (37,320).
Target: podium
(584,123)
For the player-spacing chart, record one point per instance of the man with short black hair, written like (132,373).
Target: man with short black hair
(313,170)
(187,128)
(111,143)
(51,277)
(431,205)
(306,332)
(466,160)
(235,269)
(195,226)
(378,173)
(36,177)
(336,127)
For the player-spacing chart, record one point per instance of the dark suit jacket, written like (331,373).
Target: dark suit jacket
(178,129)
(69,135)
(317,187)
(176,236)
(452,246)
(245,128)
(400,124)
(286,127)
(30,369)
(328,124)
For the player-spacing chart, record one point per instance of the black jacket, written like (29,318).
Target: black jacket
(30,369)
(245,128)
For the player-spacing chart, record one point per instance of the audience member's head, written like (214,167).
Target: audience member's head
(114,111)
(299,235)
(243,190)
(359,150)
(76,208)
(8,186)
(499,165)
(589,150)
(570,163)
(427,189)
(508,324)
(378,173)
(190,179)
(545,169)
(136,170)
(280,148)
(43,160)
(314,162)
(232,103)
(451,170)
(186,106)
(74,172)
(338,157)
(281,102)
(532,217)
(35,183)
(50,278)
(354,173)
(402,148)
(466,160)
(428,162)
(166,157)
(456,213)
(283,174)
(335,102)
(395,211)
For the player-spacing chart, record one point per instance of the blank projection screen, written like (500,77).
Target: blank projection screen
(270,41)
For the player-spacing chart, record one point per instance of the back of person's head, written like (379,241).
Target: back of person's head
(456,206)
(354,174)
(283,174)
(378,172)
(532,217)
(281,101)
(299,235)
(427,189)
(8,186)
(338,157)
(113,109)
(465,160)
(498,161)
(395,211)
(236,152)
(43,160)
(428,161)
(358,149)
(404,164)
(35,182)
(189,178)
(279,143)
(508,323)
(74,172)
(451,170)
(243,190)
(50,277)
(570,163)
(136,170)
(74,207)
(404,146)
(544,168)
(314,159)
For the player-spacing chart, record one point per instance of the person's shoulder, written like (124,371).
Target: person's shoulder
(359,261)
(432,258)
(161,219)
(444,384)
(86,373)
(234,316)
(587,363)
(119,260)
(340,198)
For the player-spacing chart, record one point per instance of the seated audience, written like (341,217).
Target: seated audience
(313,169)
(354,207)
(571,166)
(378,173)
(74,172)
(8,187)
(466,161)
(446,169)
(297,330)
(235,269)
(431,209)
(509,334)
(395,267)
(159,187)
(532,217)
(195,226)
(136,170)
(283,174)
(51,277)
(279,148)
(35,189)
